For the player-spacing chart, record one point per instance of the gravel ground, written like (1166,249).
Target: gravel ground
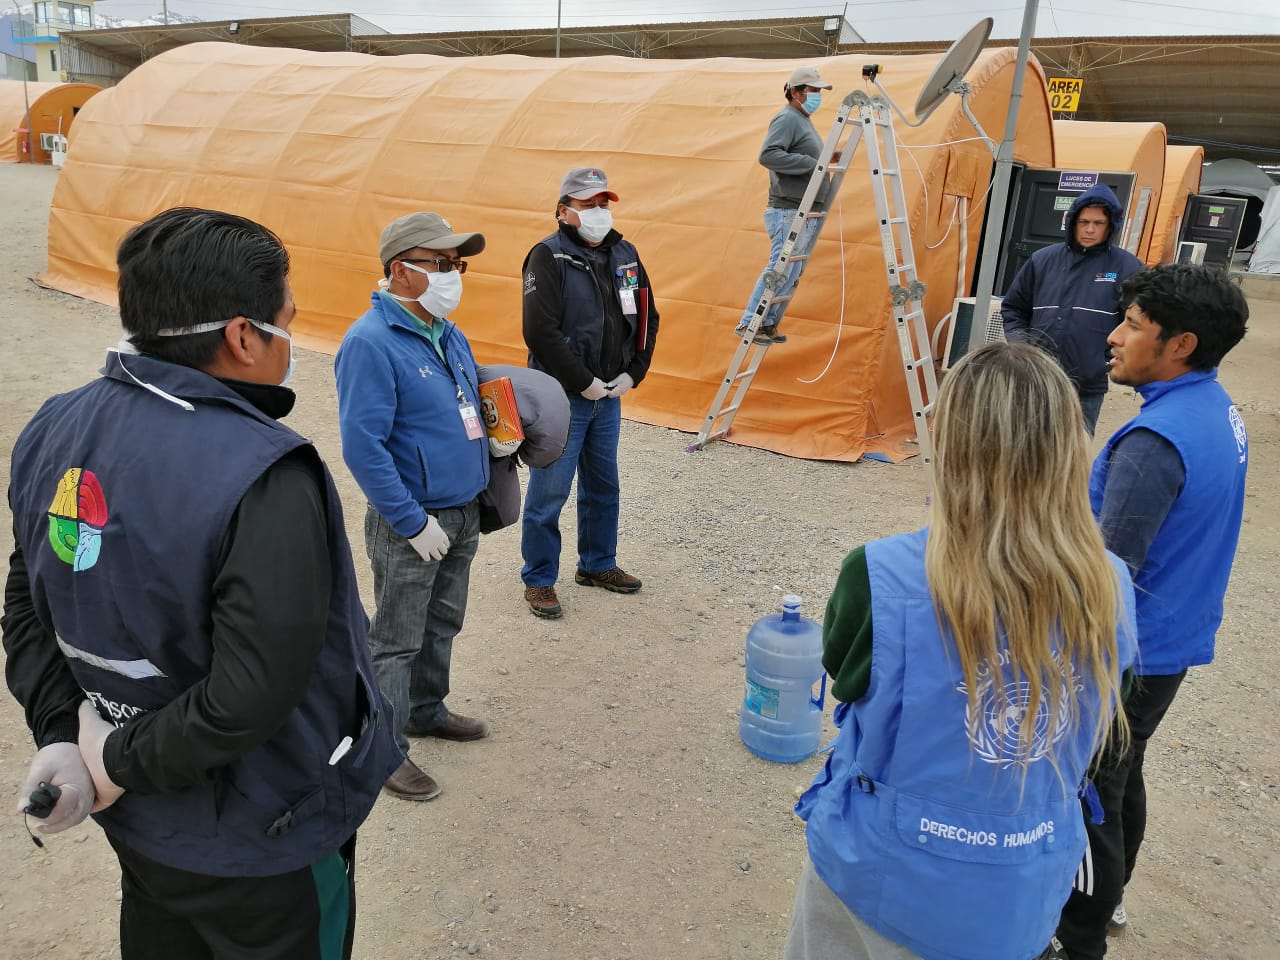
(614,813)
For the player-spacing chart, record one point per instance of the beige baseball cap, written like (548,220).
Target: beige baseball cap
(428,230)
(806,77)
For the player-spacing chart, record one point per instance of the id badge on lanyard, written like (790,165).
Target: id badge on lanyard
(470,419)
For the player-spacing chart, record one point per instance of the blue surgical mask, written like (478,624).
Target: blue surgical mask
(812,102)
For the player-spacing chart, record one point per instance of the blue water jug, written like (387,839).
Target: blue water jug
(781,719)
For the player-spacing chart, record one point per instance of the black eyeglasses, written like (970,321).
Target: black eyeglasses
(443,264)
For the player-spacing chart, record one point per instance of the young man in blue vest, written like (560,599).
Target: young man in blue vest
(180,560)
(1168,491)
(409,411)
(590,321)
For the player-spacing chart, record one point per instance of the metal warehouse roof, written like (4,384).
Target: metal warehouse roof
(1220,92)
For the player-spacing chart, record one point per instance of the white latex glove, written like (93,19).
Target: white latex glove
(60,765)
(620,385)
(597,390)
(432,543)
(93,735)
(503,448)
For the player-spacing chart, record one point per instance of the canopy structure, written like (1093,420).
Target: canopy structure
(1139,147)
(1182,169)
(326,148)
(53,108)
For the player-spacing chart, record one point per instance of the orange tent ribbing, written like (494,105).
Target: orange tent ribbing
(326,148)
(1182,169)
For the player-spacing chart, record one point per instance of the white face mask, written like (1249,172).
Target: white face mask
(220,324)
(596,223)
(442,296)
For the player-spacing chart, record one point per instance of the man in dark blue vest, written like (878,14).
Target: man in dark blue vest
(589,321)
(1168,491)
(181,601)
(1066,297)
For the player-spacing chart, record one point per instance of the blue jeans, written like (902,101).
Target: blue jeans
(1091,407)
(420,610)
(591,453)
(777,221)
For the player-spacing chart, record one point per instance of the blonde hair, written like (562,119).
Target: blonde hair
(1013,545)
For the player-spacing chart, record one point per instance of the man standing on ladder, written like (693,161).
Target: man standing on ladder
(790,153)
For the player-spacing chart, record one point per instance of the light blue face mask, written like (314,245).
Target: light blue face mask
(221,324)
(812,102)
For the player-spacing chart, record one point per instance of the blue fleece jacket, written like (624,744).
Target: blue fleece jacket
(1066,298)
(399,410)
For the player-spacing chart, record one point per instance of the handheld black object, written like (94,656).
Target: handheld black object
(42,800)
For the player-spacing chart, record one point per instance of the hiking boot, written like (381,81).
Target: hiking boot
(741,331)
(543,602)
(617,580)
(1118,922)
(772,335)
(411,783)
(455,727)
(1054,951)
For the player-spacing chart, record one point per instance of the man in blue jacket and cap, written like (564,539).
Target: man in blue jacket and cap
(409,413)
(1066,298)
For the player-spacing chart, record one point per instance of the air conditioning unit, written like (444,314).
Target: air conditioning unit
(1191,252)
(962,323)
(47,141)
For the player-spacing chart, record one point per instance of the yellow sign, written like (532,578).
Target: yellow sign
(1064,94)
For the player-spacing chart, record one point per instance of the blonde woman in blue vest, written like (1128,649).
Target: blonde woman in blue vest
(978,662)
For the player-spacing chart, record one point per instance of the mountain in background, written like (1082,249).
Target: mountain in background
(104,22)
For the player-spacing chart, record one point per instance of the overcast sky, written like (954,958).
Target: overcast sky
(876,20)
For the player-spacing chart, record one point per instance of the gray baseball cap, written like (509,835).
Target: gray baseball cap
(806,77)
(583,183)
(428,230)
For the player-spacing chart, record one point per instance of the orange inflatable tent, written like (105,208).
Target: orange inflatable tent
(1182,169)
(327,148)
(53,108)
(1139,147)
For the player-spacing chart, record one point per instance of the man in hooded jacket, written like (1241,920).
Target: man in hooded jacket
(1066,298)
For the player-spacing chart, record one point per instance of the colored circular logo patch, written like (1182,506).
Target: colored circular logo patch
(76,518)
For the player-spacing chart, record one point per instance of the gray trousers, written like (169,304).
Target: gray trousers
(421,606)
(823,928)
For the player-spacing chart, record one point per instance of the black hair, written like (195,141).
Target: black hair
(188,266)
(1191,298)
(562,202)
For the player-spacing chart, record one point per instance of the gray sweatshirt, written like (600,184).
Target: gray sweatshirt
(790,153)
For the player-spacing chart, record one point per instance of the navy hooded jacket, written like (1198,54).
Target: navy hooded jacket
(1066,298)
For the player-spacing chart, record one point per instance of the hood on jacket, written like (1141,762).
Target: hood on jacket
(1099,195)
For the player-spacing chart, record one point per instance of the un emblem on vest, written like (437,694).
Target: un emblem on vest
(993,727)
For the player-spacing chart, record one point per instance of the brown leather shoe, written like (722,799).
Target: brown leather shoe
(410,783)
(543,602)
(617,580)
(456,727)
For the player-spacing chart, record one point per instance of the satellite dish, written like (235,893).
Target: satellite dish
(955,63)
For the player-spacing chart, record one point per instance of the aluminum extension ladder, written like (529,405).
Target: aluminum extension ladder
(875,126)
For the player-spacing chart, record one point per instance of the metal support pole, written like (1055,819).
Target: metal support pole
(998,198)
(558,3)
(26,99)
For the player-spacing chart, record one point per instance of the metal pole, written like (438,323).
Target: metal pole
(26,100)
(999,197)
(558,2)
(166,12)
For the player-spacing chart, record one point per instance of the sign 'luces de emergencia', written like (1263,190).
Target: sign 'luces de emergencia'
(1064,94)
